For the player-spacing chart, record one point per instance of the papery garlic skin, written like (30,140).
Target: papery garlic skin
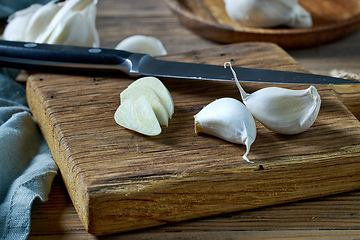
(285,111)
(228,119)
(17,23)
(40,20)
(74,24)
(142,44)
(268,13)
(70,23)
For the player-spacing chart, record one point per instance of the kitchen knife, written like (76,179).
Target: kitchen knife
(34,56)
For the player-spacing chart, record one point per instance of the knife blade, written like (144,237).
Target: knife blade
(35,56)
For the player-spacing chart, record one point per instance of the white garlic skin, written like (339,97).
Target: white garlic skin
(17,23)
(142,44)
(268,13)
(71,22)
(228,119)
(285,111)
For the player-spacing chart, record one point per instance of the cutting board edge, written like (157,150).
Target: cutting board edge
(82,199)
(38,109)
(205,194)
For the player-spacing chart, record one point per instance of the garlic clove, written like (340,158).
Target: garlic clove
(17,23)
(138,115)
(142,44)
(282,110)
(285,111)
(228,119)
(135,91)
(159,88)
(268,13)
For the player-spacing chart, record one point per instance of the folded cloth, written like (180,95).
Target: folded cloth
(26,166)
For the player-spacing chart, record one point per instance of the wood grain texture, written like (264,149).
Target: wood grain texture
(332,19)
(332,217)
(121,181)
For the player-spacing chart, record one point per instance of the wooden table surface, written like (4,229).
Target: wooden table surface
(333,217)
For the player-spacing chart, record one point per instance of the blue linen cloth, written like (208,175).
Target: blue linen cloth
(27,168)
(26,165)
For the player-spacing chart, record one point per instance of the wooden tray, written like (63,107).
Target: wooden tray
(333,19)
(120,181)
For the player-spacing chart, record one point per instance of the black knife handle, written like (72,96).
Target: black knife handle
(35,56)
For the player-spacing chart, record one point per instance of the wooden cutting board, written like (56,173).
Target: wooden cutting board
(120,181)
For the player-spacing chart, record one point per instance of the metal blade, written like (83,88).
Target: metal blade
(153,67)
(47,56)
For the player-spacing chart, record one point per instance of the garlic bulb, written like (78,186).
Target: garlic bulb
(268,13)
(17,23)
(142,44)
(282,110)
(228,119)
(40,20)
(71,23)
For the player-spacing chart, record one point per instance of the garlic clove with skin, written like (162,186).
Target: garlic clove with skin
(285,111)
(282,110)
(142,44)
(228,119)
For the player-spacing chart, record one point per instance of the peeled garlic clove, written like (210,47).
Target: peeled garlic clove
(17,23)
(135,91)
(283,110)
(138,115)
(268,13)
(159,88)
(228,119)
(142,44)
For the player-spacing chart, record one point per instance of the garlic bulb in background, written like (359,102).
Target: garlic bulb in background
(39,21)
(17,23)
(228,119)
(282,110)
(268,13)
(142,44)
(71,23)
